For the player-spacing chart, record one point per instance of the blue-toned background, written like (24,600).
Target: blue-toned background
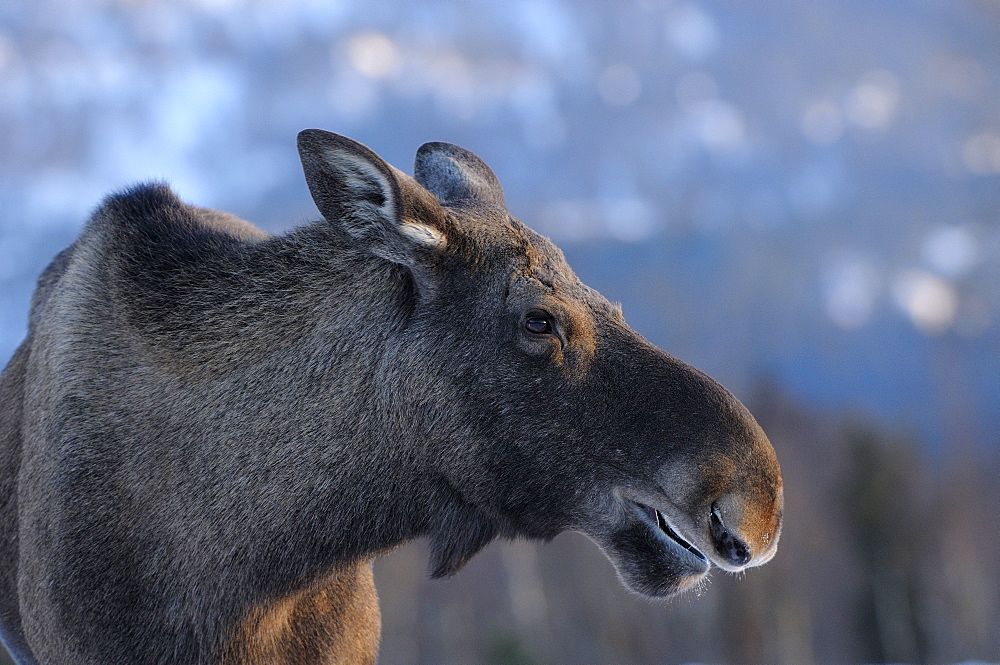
(801,198)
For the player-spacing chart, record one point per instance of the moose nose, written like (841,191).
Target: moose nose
(728,545)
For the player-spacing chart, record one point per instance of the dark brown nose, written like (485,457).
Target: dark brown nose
(727,544)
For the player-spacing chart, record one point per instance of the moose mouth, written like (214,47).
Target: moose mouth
(655,519)
(650,556)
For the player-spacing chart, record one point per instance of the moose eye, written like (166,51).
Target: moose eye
(538,325)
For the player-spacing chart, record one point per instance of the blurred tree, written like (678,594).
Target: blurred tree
(887,519)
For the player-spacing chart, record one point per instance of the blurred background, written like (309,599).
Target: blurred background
(801,198)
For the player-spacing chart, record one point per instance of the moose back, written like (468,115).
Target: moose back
(210,432)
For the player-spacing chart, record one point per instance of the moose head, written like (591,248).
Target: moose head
(531,395)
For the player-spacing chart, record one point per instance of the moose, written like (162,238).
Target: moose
(210,432)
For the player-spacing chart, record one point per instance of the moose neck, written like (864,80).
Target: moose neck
(307,305)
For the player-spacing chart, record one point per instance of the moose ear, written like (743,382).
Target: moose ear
(359,192)
(456,176)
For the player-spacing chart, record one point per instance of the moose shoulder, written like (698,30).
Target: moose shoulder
(209,432)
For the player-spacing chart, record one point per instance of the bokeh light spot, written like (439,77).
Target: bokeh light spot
(872,103)
(373,54)
(692,31)
(720,126)
(628,218)
(929,300)
(951,250)
(981,153)
(851,286)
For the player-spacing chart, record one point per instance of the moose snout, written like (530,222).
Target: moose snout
(742,535)
(728,545)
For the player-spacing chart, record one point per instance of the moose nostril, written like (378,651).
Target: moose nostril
(727,545)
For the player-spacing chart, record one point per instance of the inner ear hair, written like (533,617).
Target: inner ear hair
(426,236)
(365,191)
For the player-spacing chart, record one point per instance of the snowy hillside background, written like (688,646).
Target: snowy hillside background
(800,198)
